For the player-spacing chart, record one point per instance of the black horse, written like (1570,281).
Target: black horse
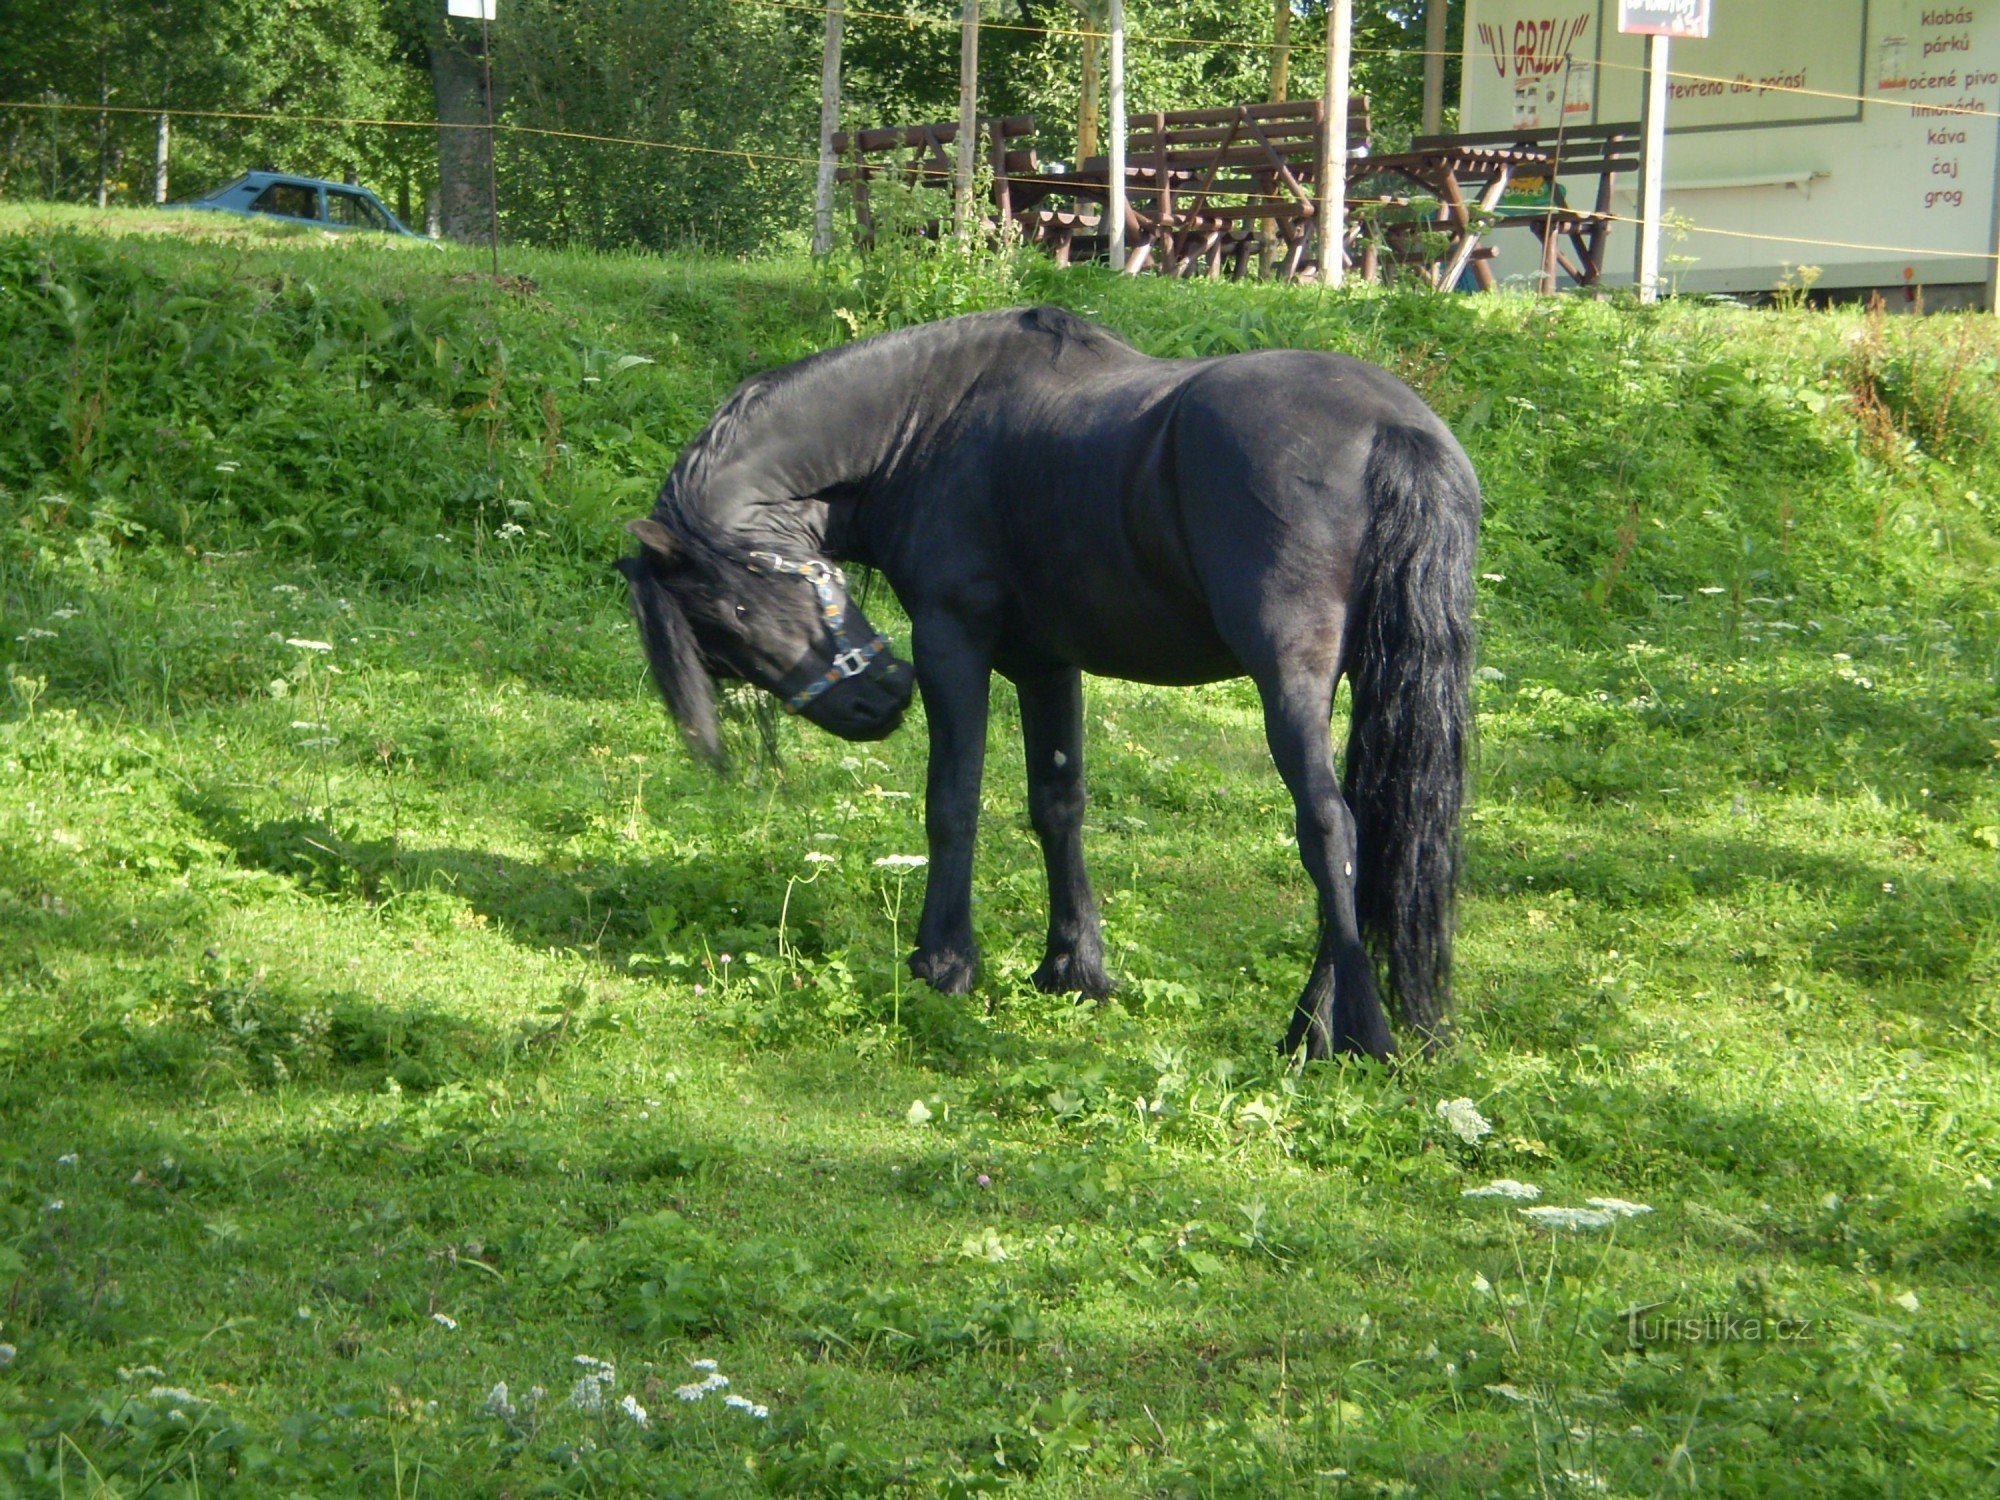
(1046,501)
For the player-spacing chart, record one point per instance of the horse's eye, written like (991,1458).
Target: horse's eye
(742,611)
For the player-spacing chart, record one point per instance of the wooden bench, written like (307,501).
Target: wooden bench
(1541,204)
(919,156)
(1205,189)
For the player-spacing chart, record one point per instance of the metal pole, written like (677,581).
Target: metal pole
(829,122)
(1993,266)
(1115,210)
(1434,35)
(492,177)
(1332,214)
(968,115)
(1652,170)
(160,161)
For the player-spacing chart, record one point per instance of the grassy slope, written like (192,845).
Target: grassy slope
(419,976)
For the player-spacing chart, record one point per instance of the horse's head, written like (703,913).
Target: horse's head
(784,624)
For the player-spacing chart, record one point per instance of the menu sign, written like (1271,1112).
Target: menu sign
(1678,18)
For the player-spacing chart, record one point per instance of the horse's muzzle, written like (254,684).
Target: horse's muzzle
(869,705)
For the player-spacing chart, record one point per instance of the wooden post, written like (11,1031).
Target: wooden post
(968,116)
(1115,210)
(492,171)
(1281,49)
(829,122)
(1332,215)
(103,111)
(160,161)
(1434,35)
(1652,170)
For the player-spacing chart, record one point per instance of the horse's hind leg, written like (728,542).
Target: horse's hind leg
(1340,1009)
(1052,733)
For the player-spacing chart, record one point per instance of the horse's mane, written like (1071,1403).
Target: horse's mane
(715,443)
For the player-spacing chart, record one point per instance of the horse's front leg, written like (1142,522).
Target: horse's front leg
(1341,1008)
(1052,735)
(955,677)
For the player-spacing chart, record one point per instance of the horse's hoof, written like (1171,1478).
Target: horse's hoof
(1073,974)
(947,972)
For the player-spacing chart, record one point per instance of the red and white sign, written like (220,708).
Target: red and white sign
(1675,18)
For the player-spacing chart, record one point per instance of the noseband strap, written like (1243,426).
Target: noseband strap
(850,659)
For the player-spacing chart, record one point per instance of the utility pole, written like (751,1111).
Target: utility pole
(829,122)
(968,116)
(1333,171)
(1115,210)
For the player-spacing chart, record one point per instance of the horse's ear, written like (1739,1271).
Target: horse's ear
(653,536)
(678,670)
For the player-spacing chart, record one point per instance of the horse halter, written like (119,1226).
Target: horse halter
(849,660)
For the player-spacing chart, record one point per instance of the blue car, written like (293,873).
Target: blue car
(308,200)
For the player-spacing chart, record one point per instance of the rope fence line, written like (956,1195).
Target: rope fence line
(751,156)
(1133,38)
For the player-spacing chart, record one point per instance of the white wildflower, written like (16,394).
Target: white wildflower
(1494,577)
(303,1313)
(1620,1207)
(631,1407)
(918,1113)
(760,1412)
(55,1205)
(820,857)
(1550,1217)
(36,633)
(1504,1187)
(598,1369)
(306,645)
(227,466)
(901,862)
(67,1159)
(1480,1284)
(174,1395)
(62,614)
(714,1382)
(739,1403)
(587,1394)
(690,1392)
(1711,590)
(445,1321)
(1463,1119)
(507,533)
(1908,1302)
(140,1372)
(706,1366)
(498,1402)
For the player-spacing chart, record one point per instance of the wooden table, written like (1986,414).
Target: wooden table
(1466,180)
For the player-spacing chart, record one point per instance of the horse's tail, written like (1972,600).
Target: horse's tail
(1409,660)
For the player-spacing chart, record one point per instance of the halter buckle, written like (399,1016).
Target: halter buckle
(851,662)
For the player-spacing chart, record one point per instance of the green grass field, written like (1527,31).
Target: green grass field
(412,1066)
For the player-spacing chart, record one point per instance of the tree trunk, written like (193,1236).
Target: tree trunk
(1281,49)
(465,150)
(1434,34)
